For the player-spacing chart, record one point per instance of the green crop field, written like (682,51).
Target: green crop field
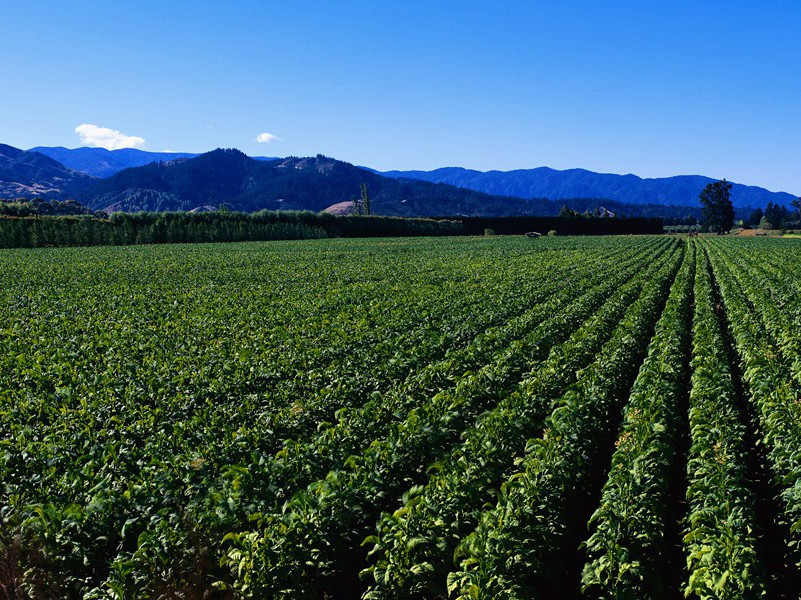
(416,418)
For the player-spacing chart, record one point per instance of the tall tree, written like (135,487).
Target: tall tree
(756,217)
(365,199)
(566,211)
(797,206)
(716,206)
(777,215)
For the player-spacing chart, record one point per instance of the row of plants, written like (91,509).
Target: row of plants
(518,549)
(774,295)
(627,549)
(309,547)
(144,391)
(413,546)
(141,362)
(217,226)
(768,374)
(722,558)
(303,460)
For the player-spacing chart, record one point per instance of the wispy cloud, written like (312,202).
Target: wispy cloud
(104,137)
(266,138)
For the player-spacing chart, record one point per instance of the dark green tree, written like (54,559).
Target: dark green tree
(776,214)
(716,206)
(365,199)
(567,212)
(756,218)
(797,206)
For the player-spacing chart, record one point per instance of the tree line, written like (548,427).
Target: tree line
(226,226)
(218,226)
(718,211)
(776,216)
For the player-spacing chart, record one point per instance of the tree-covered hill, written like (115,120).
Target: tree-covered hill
(544,182)
(229,177)
(25,173)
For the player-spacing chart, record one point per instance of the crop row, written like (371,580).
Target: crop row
(151,399)
(414,544)
(722,557)
(95,390)
(309,547)
(518,548)
(628,547)
(764,339)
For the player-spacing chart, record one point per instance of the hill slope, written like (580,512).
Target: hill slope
(544,182)
(100,162)
(187,181)
(243,183)
(33,174)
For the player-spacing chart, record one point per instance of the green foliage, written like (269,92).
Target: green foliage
(439,514)
(627,545)
(310,543)
(219,226)
(515,549)
(756,218)
(365,199)
(716,206)
(145,390)
(761,304)
(720,544)
(220,421)
(22,207)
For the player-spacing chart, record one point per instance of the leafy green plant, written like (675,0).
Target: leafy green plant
(516,546)
(627,545)
(413,545)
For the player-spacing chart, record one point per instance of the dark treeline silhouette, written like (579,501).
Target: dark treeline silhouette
(223,226)
(24,207)
(219,226)
(574,225)
(776,216)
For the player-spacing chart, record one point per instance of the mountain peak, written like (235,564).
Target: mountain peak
(136,179)
(10,151)
(31,174)
(545,182)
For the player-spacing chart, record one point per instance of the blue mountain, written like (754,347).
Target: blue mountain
(100,162)
(32,174)
(544,182)
(133,179)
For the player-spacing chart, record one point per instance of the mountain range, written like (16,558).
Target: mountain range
(242,183)
(33,174)
(543,182)
(132,180)
(99,162)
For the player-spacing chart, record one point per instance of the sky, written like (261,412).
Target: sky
(650,88)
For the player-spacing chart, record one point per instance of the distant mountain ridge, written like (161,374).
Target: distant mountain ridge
(227,176)
(544,182)
(540,182)
(33,174)
(183,181)
(100,162)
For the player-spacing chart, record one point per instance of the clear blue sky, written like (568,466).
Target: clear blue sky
(651,88)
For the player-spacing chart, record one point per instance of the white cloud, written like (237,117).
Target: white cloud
(266,138)
(103,137)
